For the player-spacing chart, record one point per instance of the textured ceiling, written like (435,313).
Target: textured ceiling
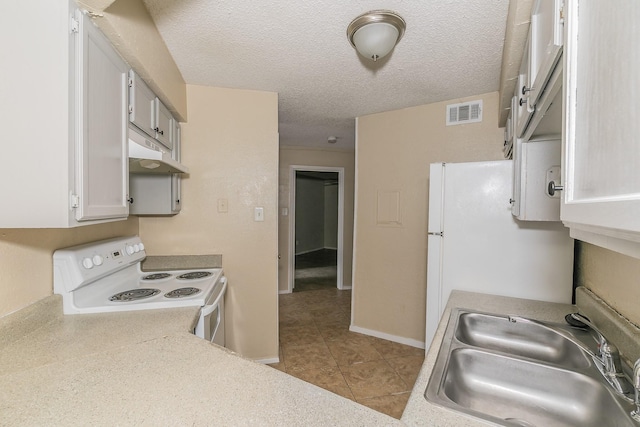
(451,49)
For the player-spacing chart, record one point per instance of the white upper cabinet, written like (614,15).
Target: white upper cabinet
(148,113)
(545,45)
(536,163)
(66,131)
(101,116)
(601,153)
(164,124)
(539,86)
(141,104)
(522,111)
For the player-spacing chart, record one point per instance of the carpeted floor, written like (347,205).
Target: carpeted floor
(316,270)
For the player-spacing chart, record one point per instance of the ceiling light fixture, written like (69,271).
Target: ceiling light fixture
(374,34)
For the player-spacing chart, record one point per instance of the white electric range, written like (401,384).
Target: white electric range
(106,276)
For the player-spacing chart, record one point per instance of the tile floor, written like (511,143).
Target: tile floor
(317,346)
(316,270)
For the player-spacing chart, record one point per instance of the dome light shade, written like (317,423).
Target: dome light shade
(374,34)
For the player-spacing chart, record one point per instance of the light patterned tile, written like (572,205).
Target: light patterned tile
(372,379)
(337,319)
(328,314)
(353,350)
(295,317)
(408,367)
(333,332)
(311,356)
(390,349)
(328,378)
(301,334)
(392,405)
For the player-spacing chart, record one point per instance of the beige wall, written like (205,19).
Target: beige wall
(129,26)
(230,145)
(612,276)
(26,264)
(393,153)
(314,157)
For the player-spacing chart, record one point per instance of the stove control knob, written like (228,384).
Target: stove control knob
(136,248)
(129,249)
(141,246)
(87,263)
(97,259)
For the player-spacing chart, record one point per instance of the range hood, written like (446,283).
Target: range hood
(147,156)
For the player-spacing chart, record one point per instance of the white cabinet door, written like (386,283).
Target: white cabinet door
(102,163)
(70,169)
(601,156)
(163,124)
(545,44)
(148,113)
(176,178)
(536,163)
(522,110)
(142,105)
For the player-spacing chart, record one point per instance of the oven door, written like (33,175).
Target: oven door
(211,323)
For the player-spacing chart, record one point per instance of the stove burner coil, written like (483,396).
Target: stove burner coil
(182,292)
(134,294)
(194,275)
(156,276)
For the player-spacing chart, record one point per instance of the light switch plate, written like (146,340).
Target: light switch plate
(258,214)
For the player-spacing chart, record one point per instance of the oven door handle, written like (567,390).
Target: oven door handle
(208,309)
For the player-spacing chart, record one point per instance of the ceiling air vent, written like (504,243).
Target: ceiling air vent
(467,112)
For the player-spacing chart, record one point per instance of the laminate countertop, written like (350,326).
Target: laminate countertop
(146,368)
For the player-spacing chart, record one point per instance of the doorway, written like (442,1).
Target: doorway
(316,228)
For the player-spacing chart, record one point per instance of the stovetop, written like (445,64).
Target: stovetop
(105,276)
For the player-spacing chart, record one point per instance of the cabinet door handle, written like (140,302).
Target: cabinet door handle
(130,200)
(553,188)
(161,132)
(525,90)
(522,101)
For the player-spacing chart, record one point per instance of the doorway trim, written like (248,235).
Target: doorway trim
(292,221)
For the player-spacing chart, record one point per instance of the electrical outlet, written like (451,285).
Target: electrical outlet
(223,205)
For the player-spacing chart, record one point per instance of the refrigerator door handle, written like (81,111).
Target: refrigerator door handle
(436,233)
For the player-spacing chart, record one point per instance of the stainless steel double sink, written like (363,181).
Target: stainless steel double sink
(523,373)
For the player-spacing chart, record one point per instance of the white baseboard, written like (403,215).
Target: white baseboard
(346,288)
(388,337)
(268,361)
(286,291)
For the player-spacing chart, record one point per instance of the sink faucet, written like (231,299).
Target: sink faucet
(635,380)
(609,357)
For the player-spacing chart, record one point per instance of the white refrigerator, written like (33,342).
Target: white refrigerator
(475,244)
